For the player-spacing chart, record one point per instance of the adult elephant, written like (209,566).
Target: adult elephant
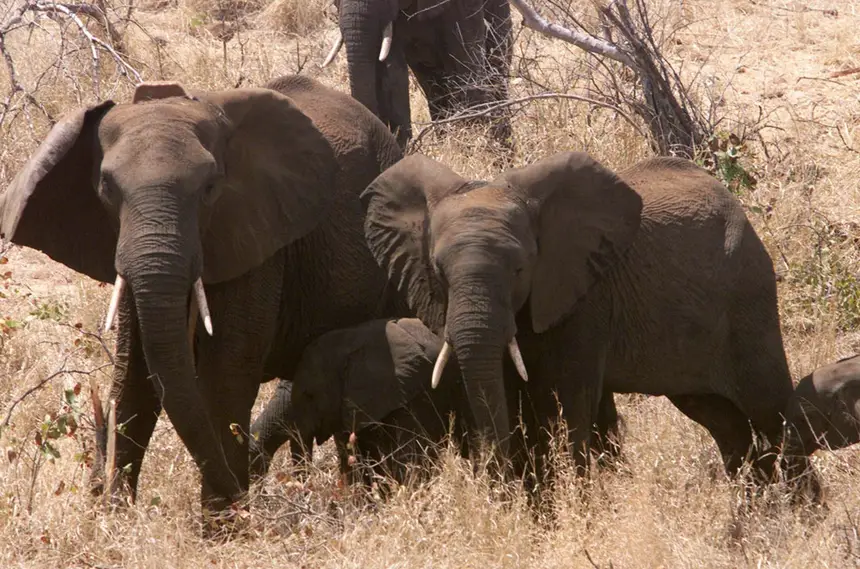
(458,50)
(244,203)
(650,281)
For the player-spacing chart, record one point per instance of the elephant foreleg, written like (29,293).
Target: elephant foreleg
(137,405)
(230,363)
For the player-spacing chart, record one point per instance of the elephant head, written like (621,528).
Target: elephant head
(167,191)
(470,255)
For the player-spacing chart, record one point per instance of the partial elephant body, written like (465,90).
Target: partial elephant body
(649,281)
(370,382)
(824,411)
(251,192)
(459,52)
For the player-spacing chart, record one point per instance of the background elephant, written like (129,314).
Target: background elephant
(372,380)
(825,409)
(650,281)
(458,50)
(243,202)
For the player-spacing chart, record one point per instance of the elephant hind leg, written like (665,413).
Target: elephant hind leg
(726,423)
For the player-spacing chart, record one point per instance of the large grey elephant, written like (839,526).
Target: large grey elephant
(240,206)
(458,50)
(586,281)
(369,383)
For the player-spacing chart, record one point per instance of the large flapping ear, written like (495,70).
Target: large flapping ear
(386,372)
(397,228)
(52,204)
(280,180)
(585,217)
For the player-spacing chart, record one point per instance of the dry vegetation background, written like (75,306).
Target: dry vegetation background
(762,67)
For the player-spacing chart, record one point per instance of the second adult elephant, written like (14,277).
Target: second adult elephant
(458,50)
(244,203)
(650,281)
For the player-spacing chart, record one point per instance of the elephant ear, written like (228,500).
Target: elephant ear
(586,217)
(385,374)
(280,180)
(52,204)
(397,229)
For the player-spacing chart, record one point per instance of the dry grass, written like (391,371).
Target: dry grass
(762,65)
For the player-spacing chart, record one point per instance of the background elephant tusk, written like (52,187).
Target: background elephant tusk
(387,34)
(514,349)
(440,364)
(118,288)
(201,304)
(338,43)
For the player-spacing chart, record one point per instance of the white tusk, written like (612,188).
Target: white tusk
(387,34)
(338,43)
(514,349)
(118,288)
(440,364)
(200,294)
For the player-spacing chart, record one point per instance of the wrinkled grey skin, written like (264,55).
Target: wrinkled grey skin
(254,190)
(372,380)
(824,411)
(649,281)
(458,50)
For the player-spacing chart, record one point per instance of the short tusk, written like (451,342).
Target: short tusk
(118,288)
(387,34)
(440,364)
(200,294)
(338,43)
(514,349)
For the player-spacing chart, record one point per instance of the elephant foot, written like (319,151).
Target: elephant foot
(223,524)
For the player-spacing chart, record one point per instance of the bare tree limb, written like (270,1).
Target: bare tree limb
(591,44)
(485,109)
(42,383)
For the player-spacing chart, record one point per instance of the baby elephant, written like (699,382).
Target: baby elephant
(825,409)
(372,380)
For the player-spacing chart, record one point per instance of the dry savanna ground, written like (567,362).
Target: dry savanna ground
(761,67)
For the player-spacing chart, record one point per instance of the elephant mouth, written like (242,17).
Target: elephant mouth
(445,355)
(199,308)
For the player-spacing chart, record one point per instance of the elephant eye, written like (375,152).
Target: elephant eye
(210,192)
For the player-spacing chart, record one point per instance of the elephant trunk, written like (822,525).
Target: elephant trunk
(362,24)
(478,328)
(160,266)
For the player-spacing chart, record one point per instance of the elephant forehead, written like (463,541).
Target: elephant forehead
(167,119)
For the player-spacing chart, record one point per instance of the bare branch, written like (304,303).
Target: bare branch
(42,383)
(485,109)
(591,44)
(69,10)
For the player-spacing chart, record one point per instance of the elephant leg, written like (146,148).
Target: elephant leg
(230,363)
(271,429)
(729,427)
(607,433)
(137,405)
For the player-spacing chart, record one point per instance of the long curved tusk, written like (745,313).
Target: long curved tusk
(118,288)
(200,294)
(440,364)
(514,349)
(338,43)
(387,34)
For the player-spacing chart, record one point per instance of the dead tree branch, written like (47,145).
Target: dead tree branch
(485,109)
(591,44)
(42,383)
(659,98)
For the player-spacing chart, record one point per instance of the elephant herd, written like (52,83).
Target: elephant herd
(279,232)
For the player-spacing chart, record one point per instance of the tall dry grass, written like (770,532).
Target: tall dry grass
(762,65)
